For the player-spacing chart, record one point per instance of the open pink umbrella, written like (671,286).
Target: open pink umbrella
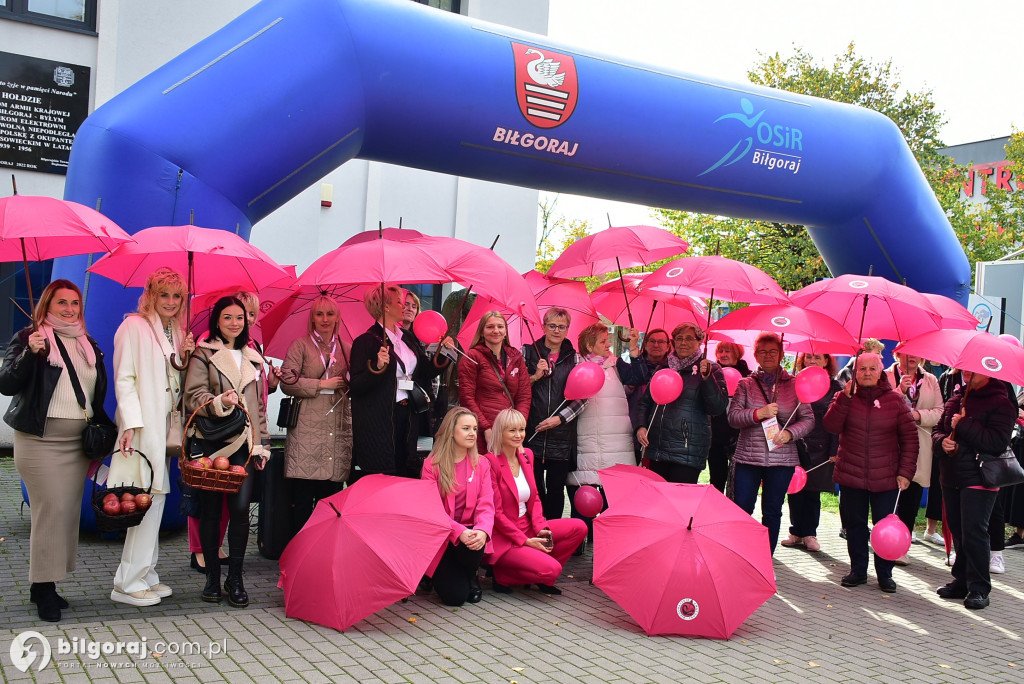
(683,559)
(654,312)
(870,306)
(35,228)
(289,317)
(715,277)
(362,550)
(203,304)
(952,314)
(570,295)
(814,332)
(972,350)
(621,479)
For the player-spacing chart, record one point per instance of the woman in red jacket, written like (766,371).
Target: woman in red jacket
(877,457)
(498,380)
(527,548)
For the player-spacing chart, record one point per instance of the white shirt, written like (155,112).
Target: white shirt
(524,491)
(408,357)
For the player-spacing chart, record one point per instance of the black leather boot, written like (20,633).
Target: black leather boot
(47,602)
(233,586)
(39,588)
(211,592)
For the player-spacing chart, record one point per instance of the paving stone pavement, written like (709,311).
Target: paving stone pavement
(812,630)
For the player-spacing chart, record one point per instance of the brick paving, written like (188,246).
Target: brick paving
(813,630)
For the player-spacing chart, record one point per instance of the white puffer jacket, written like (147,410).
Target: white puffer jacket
(604,431)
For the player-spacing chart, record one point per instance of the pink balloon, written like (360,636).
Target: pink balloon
(732,379)
(588,501)
(890,538)
(1007,337)
(430,327)
(798,481)
(585,380)
(666,386)
(811,384)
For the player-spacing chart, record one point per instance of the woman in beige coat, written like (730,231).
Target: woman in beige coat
(921,391)
(148,388)
(222,373)
(318,450)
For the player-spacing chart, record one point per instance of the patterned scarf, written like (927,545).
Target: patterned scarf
(54,324)
(689,364)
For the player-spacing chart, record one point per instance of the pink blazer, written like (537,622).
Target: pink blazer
(479,511)
(507,534)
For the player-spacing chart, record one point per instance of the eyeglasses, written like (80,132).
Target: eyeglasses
(766,352)
(686,339)
(657,341)
(555,327)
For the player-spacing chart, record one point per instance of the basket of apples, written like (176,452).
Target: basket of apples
(215,472)
(118,508)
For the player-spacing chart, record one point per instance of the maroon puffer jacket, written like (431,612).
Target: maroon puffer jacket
(481,392)
(877,437)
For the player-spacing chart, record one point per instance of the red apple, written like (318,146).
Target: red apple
(128,507)
(221,463)
(237,469)
(143,501)
(111,496)
(112,507)
(207,463)
(127,496)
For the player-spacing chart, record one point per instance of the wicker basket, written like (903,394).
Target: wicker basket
(116,523)
(208,478)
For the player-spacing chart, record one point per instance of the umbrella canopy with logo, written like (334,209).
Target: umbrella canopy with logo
(289,317)
(269,296)
(654,312)
(715,277)
(802,330)
(614,249)
(683,559)
(971,350)
(362,550)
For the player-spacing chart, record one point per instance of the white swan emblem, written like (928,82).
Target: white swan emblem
(544,71)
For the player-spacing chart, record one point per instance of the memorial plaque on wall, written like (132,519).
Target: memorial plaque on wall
(42,104)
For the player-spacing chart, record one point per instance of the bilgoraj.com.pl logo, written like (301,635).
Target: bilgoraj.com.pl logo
(28,648)
(32,650)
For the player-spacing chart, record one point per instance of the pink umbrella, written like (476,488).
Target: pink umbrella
(614,249)
(570,295)
(664,313)
(869,306)
(952,314)
(972,350)
(715,277)
(34,228)
(817,332)
(269,296)
(289,317)
(683,559)
(362,550)
(620,480)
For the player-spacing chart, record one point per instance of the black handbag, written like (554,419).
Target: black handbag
(1003,470)
(419,399)
(98,439)
(288,417)
(221,428)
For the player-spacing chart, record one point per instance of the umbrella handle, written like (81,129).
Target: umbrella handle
(184,363)
(437,355)
(369,364)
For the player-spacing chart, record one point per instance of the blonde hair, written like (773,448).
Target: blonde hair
(870,344)
(375,303)
(249,299)
(483,322)
(164,279)
(331,305)
(412,295)
(505,419)
(442,456)
(46,298)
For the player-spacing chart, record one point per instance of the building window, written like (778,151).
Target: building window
(71,15)
(446,5)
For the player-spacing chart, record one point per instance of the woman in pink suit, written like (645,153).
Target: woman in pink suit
(463,480)
(527,548)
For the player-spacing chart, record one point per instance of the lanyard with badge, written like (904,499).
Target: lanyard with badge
(328,362)
(770,426)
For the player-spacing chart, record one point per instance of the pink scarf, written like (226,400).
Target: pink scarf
(75,330)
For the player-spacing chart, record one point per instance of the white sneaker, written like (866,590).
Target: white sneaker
(914,537)
(161,590)
(951,560)
(934,538)
(997,565)
(136,598)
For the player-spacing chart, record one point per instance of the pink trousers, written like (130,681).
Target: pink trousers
(193,529)
(527,565)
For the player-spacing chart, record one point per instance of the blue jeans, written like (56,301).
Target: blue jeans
(775,481)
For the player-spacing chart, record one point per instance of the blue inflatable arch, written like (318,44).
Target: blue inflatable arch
(245,120)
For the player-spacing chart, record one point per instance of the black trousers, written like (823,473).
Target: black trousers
(968,512)
(997,525)
(804,513)
(305,495)
(934,509)
(677,472)
(854,504)
(910,502)
(456,573)
(719,456)
(238,511)
(551,476)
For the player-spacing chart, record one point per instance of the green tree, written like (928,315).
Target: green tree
(556,235)
(1005,209)
(786,251)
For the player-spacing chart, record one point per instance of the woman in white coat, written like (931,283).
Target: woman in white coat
(148,389)
(604,430)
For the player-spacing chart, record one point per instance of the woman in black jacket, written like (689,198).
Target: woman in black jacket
(978,419)
(387,361)
(48,421)
(552,435)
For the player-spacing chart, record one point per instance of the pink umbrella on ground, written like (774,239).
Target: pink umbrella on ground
(620,480)
(683,559)
(362,550)
(972,350)
(570,295)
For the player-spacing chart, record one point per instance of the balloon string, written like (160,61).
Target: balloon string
(809,470)
(536,432)
(643,450)
(791,416)
(898,492)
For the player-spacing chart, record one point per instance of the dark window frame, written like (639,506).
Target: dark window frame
(17,10)
(456,5)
